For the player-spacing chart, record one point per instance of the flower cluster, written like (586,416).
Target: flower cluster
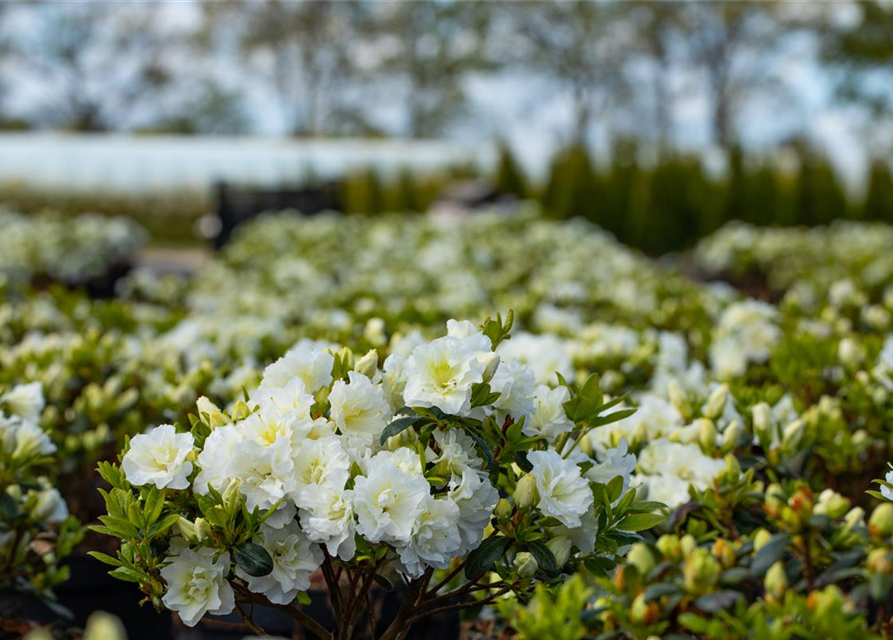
(335,463)
(70,251)
(36,531)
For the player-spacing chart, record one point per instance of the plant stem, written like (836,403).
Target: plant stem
(249,622)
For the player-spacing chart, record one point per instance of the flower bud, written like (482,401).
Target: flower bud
(104,626)
(368,364)
(716,403)
(215,417)
(723,551)
(526,565)
(689,544)
(186,529)
(700,572)
(775,499)
(880,561)
(760,539)
(791,435)
(231,493)
(776,582)
(642,611)
(346,356)
(670,546)
(733,467)
(850,353)
(763,424)
(560,546)
(830,601)
(831,504)
(491,363)
(503,509)
(880,524)
(641,557)
(732,436)
(526,494)
(854,518)
(374,331)
(679,400)
(202,529)
(706,434)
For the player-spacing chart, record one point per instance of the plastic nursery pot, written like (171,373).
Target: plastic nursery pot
(276,623)
(90,589)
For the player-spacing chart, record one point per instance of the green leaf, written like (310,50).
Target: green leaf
(485,448)
(163,525)
(640,521)
(714,602)
(660,590)
(154,505)
(613,417)
(544,558)
(398,426)
(126,574)
(771,553)
(595,568)
(614,488)
(692,622)
(105,558)
(253,559)
(303,598)
(9,509)
(383,581)
(485,556)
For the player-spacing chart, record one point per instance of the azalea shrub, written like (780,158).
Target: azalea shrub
(36,531)
(47,247)
(751,388)
(444,469)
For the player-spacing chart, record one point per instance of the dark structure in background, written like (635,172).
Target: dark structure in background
(236,205)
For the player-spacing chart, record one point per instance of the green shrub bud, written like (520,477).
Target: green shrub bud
(526,495)
(716,403)
(526,565)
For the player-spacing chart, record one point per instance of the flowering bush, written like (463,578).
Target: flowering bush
(36,531)
(427,464)
(67,250)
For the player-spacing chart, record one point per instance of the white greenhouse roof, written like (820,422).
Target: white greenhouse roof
(134,163)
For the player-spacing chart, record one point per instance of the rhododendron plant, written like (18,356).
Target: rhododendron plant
(447,470)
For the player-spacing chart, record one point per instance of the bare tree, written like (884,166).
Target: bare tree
(860,51)
(305,49)
(97,65)
(431,48)
(582,47)
(733,44)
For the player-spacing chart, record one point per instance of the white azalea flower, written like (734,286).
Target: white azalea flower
(388,501)
(319,464)
(266,473)
(476,498)
(25,401)
(440,374)
(294,559)
(196,584)
(457,453)
(307,360)
(24,439)
(359,409)
(549,418)
(563,493)
(159,457)
(436,539)
(515,384)
(328,518)
(213,461)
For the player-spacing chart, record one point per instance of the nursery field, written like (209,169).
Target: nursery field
(503,426)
